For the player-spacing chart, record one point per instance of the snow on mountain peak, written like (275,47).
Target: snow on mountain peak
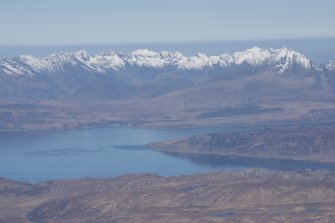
(286,59)
(330,66)
(107,61)
(282,60)
(253,56)
(147,58)
(144,53)
(33,63)
(81,53)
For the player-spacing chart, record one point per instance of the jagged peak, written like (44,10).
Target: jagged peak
(330,66)
(81,54)
(253,56)
(144,53)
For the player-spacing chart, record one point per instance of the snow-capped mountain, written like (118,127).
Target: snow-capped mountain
(256,73)
(330,66)
(279,60)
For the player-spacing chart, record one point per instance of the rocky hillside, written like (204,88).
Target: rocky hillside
(246,196)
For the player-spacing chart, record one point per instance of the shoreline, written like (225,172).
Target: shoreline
(173,127)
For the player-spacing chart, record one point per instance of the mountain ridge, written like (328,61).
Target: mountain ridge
(282,60)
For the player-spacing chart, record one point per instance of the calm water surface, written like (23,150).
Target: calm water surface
(97,152)
(109,152)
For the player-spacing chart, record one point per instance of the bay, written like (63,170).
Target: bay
(109,152)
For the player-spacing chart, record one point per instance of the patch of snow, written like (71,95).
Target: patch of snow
(253,56)
(330,66)
(146,58)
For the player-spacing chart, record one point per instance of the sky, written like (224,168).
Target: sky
(43,22)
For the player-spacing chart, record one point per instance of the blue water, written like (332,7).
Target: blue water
(97,152)
(114,151)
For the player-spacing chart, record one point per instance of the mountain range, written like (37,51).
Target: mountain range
(145,73)
(150,88)
(280,60)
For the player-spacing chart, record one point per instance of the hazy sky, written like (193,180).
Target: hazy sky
(137,21)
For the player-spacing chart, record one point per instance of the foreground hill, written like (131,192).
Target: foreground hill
(247,196)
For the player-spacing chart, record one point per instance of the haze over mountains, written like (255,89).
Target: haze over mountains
(255,85)
(142,73)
